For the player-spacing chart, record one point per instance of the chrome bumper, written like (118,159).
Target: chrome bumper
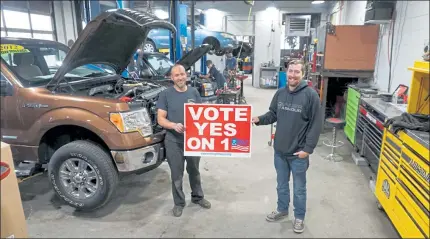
(137,159)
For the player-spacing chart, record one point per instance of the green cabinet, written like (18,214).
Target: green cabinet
(352,104)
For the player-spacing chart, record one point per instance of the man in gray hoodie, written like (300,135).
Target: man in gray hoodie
(296,109)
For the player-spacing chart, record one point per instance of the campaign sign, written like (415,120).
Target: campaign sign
(217,130)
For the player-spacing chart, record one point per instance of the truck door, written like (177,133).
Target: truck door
(10,123)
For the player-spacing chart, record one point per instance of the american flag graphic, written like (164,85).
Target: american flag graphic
(241,145)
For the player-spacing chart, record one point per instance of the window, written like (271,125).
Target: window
(53,57)
(15,19)
(7,57)
(160,63)
(43,36)
(19,34)
(36,65)
(17,22)
(41,22)
(6,87)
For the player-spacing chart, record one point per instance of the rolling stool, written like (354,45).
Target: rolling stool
(335,123)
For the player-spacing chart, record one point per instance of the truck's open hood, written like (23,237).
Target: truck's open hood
(111,38)
(193,56)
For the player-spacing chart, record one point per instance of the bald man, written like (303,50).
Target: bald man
(170,106)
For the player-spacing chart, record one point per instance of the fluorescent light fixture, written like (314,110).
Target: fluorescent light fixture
(317,2)
(271,10)
(213,11)
(161,14)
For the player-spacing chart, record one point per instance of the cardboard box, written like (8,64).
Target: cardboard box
(13,224)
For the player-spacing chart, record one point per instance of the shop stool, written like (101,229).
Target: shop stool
(334,123)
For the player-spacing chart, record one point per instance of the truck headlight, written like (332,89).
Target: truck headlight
(133,121)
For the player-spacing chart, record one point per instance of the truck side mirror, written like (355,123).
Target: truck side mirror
(6,88)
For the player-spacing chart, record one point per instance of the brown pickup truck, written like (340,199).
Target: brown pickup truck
(85,121)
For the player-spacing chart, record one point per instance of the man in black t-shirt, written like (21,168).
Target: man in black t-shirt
(214,72)
(170,106)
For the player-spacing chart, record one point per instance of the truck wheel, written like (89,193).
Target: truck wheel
(83,175)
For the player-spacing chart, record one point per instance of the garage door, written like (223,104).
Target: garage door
(27,19)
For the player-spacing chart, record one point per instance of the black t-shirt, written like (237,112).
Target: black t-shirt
(219,78)
(173,102)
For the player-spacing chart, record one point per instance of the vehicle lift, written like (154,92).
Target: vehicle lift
(178,17)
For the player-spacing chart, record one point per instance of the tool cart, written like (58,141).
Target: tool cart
(403,179)
(355,93)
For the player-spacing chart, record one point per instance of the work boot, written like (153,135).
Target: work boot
(177,211)
(203,203)
(276,216)
(298,226)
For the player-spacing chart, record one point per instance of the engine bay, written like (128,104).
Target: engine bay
(136,93)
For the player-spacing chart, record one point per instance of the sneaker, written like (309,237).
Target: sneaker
(298,226)
(276,216)
(203,203)
(177,211)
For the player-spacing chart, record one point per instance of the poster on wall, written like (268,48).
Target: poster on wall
(217,130)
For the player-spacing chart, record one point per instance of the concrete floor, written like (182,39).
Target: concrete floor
(242,192)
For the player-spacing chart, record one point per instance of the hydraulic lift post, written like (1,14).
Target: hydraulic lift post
(178,17)
(192,30)
(203,59)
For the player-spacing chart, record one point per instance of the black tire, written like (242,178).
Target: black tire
(99,160)
(214,43)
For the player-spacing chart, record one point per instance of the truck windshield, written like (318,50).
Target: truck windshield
(36,64)
(160,63)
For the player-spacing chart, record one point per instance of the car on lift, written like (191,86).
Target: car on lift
(157,66)
(88,125)
(221,42)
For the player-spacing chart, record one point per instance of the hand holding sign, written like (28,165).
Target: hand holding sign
(217,130)
(179,128)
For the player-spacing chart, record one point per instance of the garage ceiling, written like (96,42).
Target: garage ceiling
(239,7)
(235,7)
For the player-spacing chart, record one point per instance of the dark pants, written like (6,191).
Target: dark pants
(176,159)
(285,165)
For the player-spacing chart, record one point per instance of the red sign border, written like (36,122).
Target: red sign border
(217,154)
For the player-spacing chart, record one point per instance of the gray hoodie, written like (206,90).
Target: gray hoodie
(298,118)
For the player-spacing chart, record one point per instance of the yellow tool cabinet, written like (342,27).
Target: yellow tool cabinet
(403,179)
(419,88)
(403,184)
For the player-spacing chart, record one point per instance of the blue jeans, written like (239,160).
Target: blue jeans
(285,165)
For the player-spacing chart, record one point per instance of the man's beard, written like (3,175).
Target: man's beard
(181,85)
(294,83)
